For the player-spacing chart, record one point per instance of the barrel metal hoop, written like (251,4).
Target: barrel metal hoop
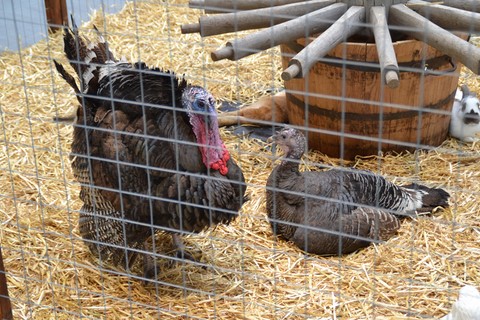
(333,115)
(429,67)
(426,67)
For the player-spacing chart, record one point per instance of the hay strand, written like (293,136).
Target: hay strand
(251,275)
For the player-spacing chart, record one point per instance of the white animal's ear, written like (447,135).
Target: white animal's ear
(465,91)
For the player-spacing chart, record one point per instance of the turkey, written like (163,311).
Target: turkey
(147,152)
(312,209)
(465,121)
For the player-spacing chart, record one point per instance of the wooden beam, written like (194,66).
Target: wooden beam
(57,15)
(424,30)
(346,26)
(383,41)
(252,19)
(468,5)
(5,304)
(300,27)
(216,6)
(447,17)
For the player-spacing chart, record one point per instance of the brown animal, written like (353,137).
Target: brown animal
(337,211)
(148,154)
(266,109)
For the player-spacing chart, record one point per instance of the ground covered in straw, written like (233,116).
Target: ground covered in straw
(51,274)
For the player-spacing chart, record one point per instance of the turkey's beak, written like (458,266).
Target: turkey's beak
(207,120)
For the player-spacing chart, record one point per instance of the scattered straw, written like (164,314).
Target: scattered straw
(51,274)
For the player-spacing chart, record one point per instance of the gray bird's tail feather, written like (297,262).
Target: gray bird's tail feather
(431,198)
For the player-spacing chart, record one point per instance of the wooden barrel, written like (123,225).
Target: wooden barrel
(349,111)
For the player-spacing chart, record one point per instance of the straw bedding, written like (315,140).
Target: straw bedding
(251,275)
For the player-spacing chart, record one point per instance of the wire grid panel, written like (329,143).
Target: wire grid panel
(241,270)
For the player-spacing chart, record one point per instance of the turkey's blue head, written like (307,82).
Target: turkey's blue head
(200,106)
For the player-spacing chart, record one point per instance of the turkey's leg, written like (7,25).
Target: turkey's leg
(181,254)
(150,268)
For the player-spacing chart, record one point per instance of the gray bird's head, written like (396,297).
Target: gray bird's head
(291,141)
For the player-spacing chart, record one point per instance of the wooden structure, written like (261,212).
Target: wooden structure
(5,305)
(57,14)
(336,21)
(373,117)
(352,99)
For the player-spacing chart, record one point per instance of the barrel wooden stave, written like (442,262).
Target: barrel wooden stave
(370,105)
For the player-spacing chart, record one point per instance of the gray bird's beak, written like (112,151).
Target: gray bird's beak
(271,143)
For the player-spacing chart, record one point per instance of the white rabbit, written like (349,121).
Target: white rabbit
(465,121)
(467,307)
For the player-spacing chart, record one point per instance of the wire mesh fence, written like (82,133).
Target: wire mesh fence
(107,183)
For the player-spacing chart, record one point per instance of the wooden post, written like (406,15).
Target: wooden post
(442,40)
(252,19)
(5,305)
(469,5)
(304,26)
(447,17)
(216,6)
(57,14)
(346,26)
(383,41)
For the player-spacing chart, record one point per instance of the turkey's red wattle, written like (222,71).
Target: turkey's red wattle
(221,164)
(214,153)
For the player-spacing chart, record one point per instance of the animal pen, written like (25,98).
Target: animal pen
(242,270)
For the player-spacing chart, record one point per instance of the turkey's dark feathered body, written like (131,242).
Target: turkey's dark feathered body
(339,211)
(137,158)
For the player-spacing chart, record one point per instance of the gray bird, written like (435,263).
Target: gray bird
(341,210)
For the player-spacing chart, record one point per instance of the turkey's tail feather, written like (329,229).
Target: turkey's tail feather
(104,234)
(431,198)
(85,56)
(71,81)
(102,227)
(66,76)
(111,238)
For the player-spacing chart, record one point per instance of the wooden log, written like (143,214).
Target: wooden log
(5,304)
(216,6)
(386,53)
(424,30)
(468,5)
(447,17)
(303,26)
(57,16)
(252,19)
(346,26)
